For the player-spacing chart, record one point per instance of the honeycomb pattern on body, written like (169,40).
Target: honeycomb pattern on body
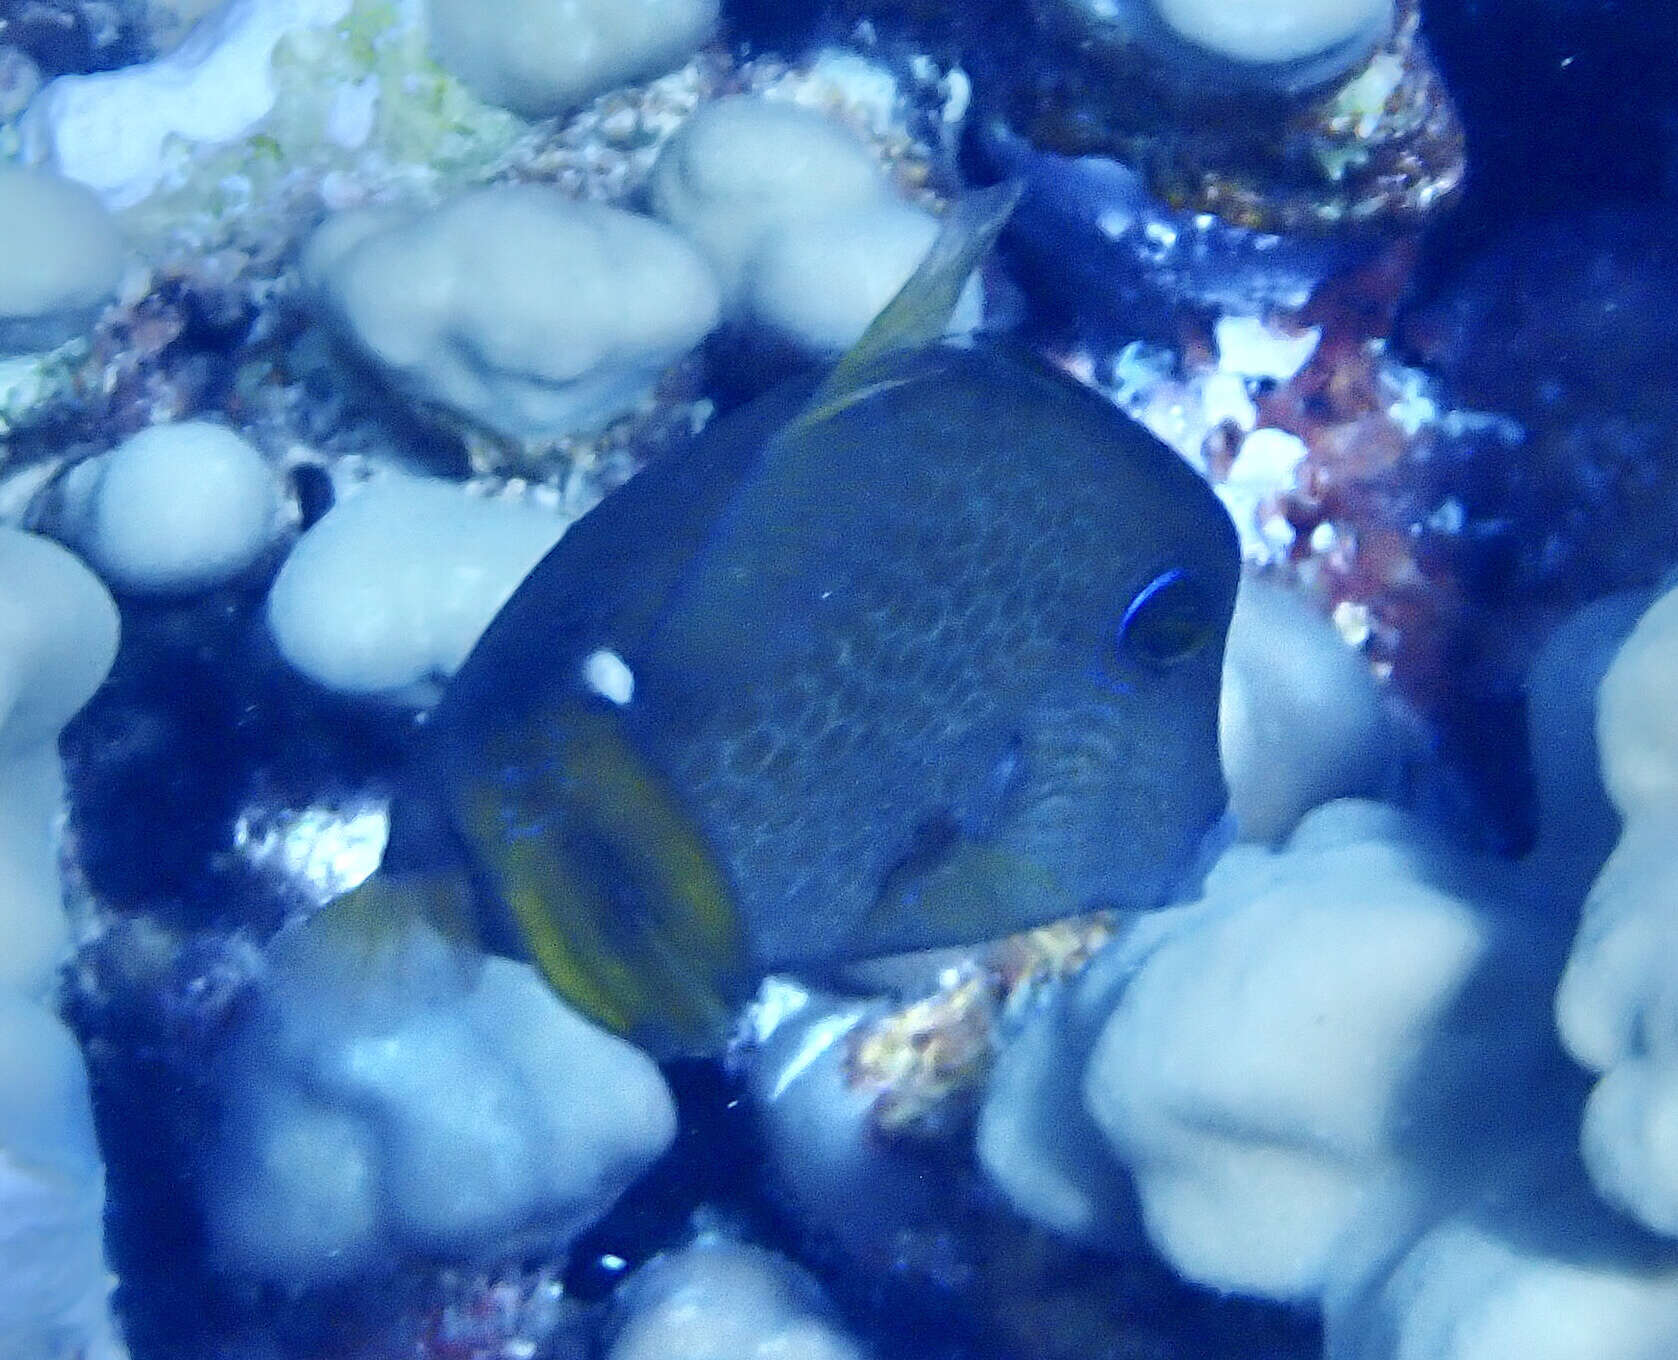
(815,779)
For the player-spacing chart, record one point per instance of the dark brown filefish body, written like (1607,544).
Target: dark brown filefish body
(930,661)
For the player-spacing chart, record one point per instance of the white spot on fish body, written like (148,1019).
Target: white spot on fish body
(609,676)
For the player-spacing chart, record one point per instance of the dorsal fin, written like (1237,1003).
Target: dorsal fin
(920,312)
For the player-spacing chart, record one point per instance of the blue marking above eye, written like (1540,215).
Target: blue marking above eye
(1169,620)
(1161,582)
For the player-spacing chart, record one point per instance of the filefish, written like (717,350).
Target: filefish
(923,655)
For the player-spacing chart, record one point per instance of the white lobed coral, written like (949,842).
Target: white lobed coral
(1554,1279)
(1034,1138)
(1617,1006)
(1320,1038)
(1334,1079)
(538,58)
(535,315)
(722,1300)
(743,166)
(176,509)
(385,1097)
(390,590)
(1300,721)
(1278,46)
(61,256)
(1275,31)
(796,217)
(58,637)
(113,130)
(823,282)
(54,1285)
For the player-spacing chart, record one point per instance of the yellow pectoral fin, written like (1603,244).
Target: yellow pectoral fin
(560,917)
(636,812)
(616,895)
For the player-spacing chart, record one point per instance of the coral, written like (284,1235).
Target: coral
(823,282)
(796,217)
(1280,34)
(1302,1054)
(720,1300)
(112,130)
(58,635)
(345,614)
(380,1103)
(1378,145)
(542,317)
(1300,720)
(1616,1007)
(1553,1280)
(61,257)
(538,59)
(1035,1138)
(178,508)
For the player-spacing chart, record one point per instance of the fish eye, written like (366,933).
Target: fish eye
(1170,619)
